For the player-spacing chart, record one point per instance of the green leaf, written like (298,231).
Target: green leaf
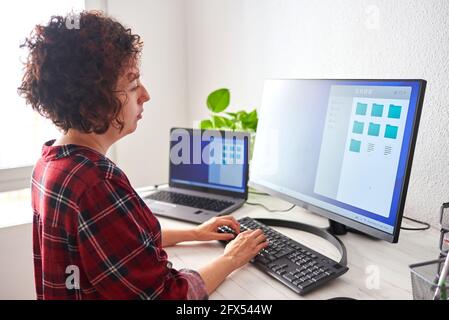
(249,121)
(252,126)
(252,115)
(218,100)
(219,122)
(206,124)
(229,123)
(232,114)
(252,120)
(238,126)
(241,115)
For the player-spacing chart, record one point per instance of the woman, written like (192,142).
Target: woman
(93,236)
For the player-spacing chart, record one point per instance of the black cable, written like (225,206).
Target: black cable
(263,206)
(269,210)
(427,226)
(320,232)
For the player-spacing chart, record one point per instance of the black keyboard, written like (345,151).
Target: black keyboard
(190,201)
(295,265)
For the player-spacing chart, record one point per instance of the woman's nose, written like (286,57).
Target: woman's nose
(145,96)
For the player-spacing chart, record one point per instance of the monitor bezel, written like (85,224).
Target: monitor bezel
(372,231)
(235,194)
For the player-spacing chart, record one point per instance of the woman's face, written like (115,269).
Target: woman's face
(136,96)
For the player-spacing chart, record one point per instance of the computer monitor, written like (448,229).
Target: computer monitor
(340,148)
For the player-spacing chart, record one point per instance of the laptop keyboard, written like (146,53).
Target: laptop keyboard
(190,201)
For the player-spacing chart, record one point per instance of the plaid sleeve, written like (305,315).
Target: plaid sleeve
(197,287)
(120,252)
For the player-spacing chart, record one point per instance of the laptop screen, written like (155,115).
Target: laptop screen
(209,160)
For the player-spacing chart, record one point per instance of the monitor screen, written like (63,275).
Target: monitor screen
(209,160)
(341,148)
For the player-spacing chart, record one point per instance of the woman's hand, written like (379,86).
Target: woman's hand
(237,253)
(209,229)
(245,247)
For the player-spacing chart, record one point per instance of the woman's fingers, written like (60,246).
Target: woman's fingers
(260,238)
(225,236)
(233,222)
(228,221)
(256,232)
(246,232)
(255,239)
(262,245)
(228,217)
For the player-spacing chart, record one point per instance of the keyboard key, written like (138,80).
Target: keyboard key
(281,271)
(262,259)
(271,257)
(296,282)
(319,277)
(289,277)
(304,284)
(276,268)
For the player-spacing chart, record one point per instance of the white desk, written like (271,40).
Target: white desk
(367,258)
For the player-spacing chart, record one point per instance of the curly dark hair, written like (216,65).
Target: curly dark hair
(71,73)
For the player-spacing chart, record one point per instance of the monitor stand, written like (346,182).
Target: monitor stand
(337,228)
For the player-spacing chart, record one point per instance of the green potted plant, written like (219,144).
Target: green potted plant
(217,102)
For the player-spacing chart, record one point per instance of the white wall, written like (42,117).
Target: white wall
(16,263)
(143,155)
(239,43)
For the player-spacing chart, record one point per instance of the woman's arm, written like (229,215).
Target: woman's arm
(204,232)
(170,237)
(237,253)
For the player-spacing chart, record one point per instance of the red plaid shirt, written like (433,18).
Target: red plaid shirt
(94,237)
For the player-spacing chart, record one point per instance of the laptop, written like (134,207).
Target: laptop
(208,175)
